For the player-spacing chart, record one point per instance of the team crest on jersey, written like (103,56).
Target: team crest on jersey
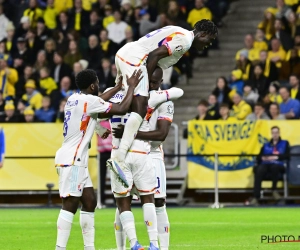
(170,109)
(179,48)
(102,102)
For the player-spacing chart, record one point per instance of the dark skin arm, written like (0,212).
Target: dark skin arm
(159,134)
(110,93)
(153,58)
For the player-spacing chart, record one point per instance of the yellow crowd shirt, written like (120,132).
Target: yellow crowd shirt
(195,15)
(62,5)
(48,84)
(294,92)
(35,101)
(281,53)
(242,110)
(260,45)
(8,79)
(275,98)
(33,15)
(253,54)
(50,17)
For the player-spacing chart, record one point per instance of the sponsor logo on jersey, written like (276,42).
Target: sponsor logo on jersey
(167,229)
(118,96)
(148,223)
(170,109)
(179,48)
(72,103)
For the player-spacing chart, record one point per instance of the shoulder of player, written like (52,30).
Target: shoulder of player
(166,107)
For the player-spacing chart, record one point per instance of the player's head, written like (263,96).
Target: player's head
(205,32)
(156,79)
(87,81)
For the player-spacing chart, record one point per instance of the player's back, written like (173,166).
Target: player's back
(78,129)
(176,39)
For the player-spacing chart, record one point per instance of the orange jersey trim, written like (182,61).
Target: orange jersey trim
(132,64)
(138,152)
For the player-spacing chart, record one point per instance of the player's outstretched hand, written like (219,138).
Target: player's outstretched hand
(134,80)
(119,85)
(118,132)
(106,134)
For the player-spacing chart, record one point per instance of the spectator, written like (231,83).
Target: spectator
(290,66)
(275,112)
(41,60)
(10,43)
(277,54)
(94,53)
(46,113)
(249,95)
(244,64)
(2,103)
(221,91)
(8,78)
(293,25)
(24,27)
(259,113)
(79,17)
(282,10)
(50,47)
(174,11)
(202,111)
(237,84)
(64,23)
(146,26)
(225,113)
(106,79)
(50,14)
(62,42)
(116,29)
(2,147)
(33,43)
(63,92)
(20,84)
(60,117)
(151,10)
(294,85)
(22,105)
(73,54)
(32,96)
(47,83)
(29,115)
(42,32)
(267,25)
(63,5)
(271,160)
(94,26)
(128,37)
(9,113)
(273,92)
(198,13)
(283,36)
(109,17)
(109,48)
(33,12)
(127,12)
(260,42)
(258,82)
(289,107)
(213,108)
(253,54)
(60,68)
(22,55)
(240,108)
(3,24)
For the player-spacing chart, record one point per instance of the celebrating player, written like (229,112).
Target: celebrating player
(81,112)
(160,123)
(162,47)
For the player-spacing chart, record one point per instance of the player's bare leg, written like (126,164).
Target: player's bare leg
(150,219)
(163,224)
(65,220)
(87,214)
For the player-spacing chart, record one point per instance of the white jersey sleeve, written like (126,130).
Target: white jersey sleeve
(98,105)
(166,111)
(179,44)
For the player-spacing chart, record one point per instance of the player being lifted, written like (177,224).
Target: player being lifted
(71,160)
(162,47)
(160,123)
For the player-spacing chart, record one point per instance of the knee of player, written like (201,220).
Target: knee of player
(160,202)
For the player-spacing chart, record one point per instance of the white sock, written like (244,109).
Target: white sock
(131,127)
(87,223)
(163,227)
(119,232)
(127,221)
(157,98)
(151,222)
(64,224)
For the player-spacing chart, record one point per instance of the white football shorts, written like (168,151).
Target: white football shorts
(160,171)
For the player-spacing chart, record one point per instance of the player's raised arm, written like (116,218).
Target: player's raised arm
(122,108)
(110,93)
(153,58)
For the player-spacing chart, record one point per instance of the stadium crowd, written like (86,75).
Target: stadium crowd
(264,83)
(45,43)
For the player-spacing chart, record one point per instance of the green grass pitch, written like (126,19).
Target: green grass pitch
(191,228)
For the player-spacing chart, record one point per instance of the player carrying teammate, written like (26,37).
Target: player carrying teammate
(160,123)
(71,160)
(162,47)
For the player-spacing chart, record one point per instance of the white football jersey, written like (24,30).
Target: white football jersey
(165,111)
(81,113)
(176,39)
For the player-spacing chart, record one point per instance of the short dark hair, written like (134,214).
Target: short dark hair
(276,104)
(203,103)
(286,88)
(275,127)
(224,105)
(260,104)
(85,78)
(206,26)
(294,75)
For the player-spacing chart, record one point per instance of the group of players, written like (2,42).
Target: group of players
(140,115)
